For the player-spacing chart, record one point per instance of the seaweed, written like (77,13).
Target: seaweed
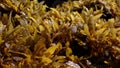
(65,34)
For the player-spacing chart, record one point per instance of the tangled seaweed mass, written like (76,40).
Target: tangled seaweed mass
(73,34)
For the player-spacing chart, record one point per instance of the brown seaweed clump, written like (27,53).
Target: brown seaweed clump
(74,34)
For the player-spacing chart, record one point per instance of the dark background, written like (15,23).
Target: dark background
(52,3)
